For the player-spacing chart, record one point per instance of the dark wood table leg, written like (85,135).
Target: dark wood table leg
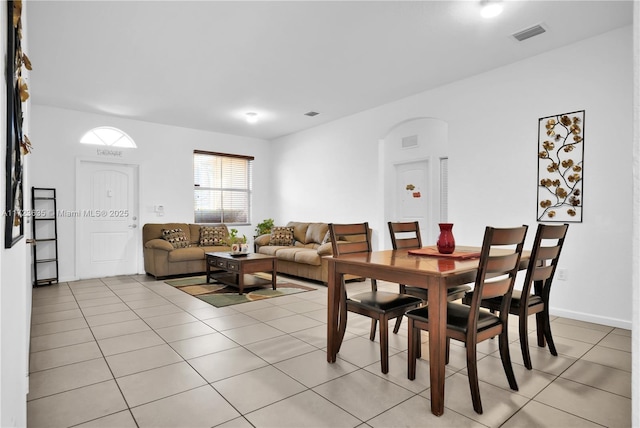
(274,271)
(333,304)
(208,261)
(437,344)
(240,281)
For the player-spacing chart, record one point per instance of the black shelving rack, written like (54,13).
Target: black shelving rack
(45,236)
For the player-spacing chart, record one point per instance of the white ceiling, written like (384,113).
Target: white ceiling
(204,64)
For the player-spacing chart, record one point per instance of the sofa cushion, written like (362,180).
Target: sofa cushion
(176,237)
(299,255)
(186,254)
(299,230)
(213,235)
(154,230)
(270,250)
(316,232)
(281,236)
(308,257)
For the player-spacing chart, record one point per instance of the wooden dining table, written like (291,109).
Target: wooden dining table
(434,273)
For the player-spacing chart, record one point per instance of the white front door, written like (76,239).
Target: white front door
(413,196)
(107,219)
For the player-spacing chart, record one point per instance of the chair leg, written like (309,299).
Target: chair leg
(524,341)
(372,335)
(505,357)
(540,329)
(446,351)
(384,344)
(397,326)
(547,334)
(414,347)
(472,372)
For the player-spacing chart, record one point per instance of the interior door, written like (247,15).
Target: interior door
(412,195)
(107,215)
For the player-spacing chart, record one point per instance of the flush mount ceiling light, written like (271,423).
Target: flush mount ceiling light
(251,117)
(490,8)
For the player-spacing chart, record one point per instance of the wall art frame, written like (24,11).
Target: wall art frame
(14,222)
(561,167)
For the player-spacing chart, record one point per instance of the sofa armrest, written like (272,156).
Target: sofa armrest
(263,240)
(159,244)
(325,249)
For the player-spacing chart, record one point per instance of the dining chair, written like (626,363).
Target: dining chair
(380,306)
(406,235)
(497,268)
(545,253)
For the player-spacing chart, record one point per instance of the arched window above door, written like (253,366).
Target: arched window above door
(108,136)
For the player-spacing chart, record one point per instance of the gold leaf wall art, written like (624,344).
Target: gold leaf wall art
(560,167)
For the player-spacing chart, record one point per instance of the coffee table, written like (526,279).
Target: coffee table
(236,269)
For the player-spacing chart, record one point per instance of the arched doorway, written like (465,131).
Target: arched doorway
(415,178)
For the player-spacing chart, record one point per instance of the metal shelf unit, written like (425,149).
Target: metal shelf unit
(45,236)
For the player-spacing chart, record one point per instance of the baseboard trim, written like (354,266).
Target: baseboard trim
(581,316)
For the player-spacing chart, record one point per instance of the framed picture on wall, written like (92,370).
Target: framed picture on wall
(16,94)
(560,167)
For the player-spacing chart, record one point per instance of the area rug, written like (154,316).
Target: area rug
(220,295)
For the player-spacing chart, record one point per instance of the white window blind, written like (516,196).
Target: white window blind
(444,189)
(222,187)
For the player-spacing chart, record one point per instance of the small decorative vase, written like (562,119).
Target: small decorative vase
(446,243)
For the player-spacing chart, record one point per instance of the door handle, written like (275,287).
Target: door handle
(133,226)
(31,241)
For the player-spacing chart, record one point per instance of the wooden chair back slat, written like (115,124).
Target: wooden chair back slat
(542,273)
(502,268)
(350,238)
(405,235)
(496,288)
(544,259)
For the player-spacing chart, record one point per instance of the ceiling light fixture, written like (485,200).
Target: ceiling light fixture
(251,117)
(490,8)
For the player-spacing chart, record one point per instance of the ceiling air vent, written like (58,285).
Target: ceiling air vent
(311,113)
(529,32)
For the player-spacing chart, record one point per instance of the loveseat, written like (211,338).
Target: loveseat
(300,254)
(167,251)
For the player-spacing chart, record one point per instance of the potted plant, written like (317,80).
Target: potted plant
(264,227)
(238,244)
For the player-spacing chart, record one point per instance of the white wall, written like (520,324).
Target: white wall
(15,285)
(331,172)
(165,156)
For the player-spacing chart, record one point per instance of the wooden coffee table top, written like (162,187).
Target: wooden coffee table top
(240,257)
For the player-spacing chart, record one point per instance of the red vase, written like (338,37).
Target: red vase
(446,243)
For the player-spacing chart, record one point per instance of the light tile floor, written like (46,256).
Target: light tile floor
(131,351)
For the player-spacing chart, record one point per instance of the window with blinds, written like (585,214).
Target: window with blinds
(222,187)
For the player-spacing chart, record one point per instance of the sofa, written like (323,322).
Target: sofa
(168,252)
(303,255)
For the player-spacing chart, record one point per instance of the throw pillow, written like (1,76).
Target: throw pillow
(281,236)
(213,235)
(327,238)
(176,237)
